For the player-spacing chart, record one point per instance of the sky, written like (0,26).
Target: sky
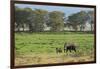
(67,10)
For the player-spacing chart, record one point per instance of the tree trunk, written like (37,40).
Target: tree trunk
(18,28)
(23,28)
(91,27)
(80,28)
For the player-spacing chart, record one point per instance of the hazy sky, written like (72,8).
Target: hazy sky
(66,10)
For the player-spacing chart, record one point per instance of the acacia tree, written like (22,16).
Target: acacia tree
(28,18)
(73,21)
(56,21)
(83,17)
(77,20)
(17,18)
(91,19)
(39,19)
(22,17)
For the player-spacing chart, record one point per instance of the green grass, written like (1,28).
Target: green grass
(39,44)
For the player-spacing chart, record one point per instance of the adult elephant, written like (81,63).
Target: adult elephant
(69,47)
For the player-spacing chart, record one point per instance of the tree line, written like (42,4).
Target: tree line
(38,20)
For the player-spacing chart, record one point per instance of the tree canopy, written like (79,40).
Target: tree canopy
(27,19)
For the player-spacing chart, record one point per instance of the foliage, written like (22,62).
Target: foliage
(78,19)
(56,20)
(38,20)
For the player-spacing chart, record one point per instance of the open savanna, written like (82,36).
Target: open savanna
(39,48)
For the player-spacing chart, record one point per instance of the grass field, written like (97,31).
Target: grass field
(39,48)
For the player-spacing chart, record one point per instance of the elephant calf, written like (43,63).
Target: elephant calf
(58,50)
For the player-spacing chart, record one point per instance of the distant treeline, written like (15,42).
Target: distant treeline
(52,32)
(39,20)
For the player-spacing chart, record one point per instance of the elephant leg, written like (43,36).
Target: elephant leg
(70,50)
(75,50)
(64,50)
